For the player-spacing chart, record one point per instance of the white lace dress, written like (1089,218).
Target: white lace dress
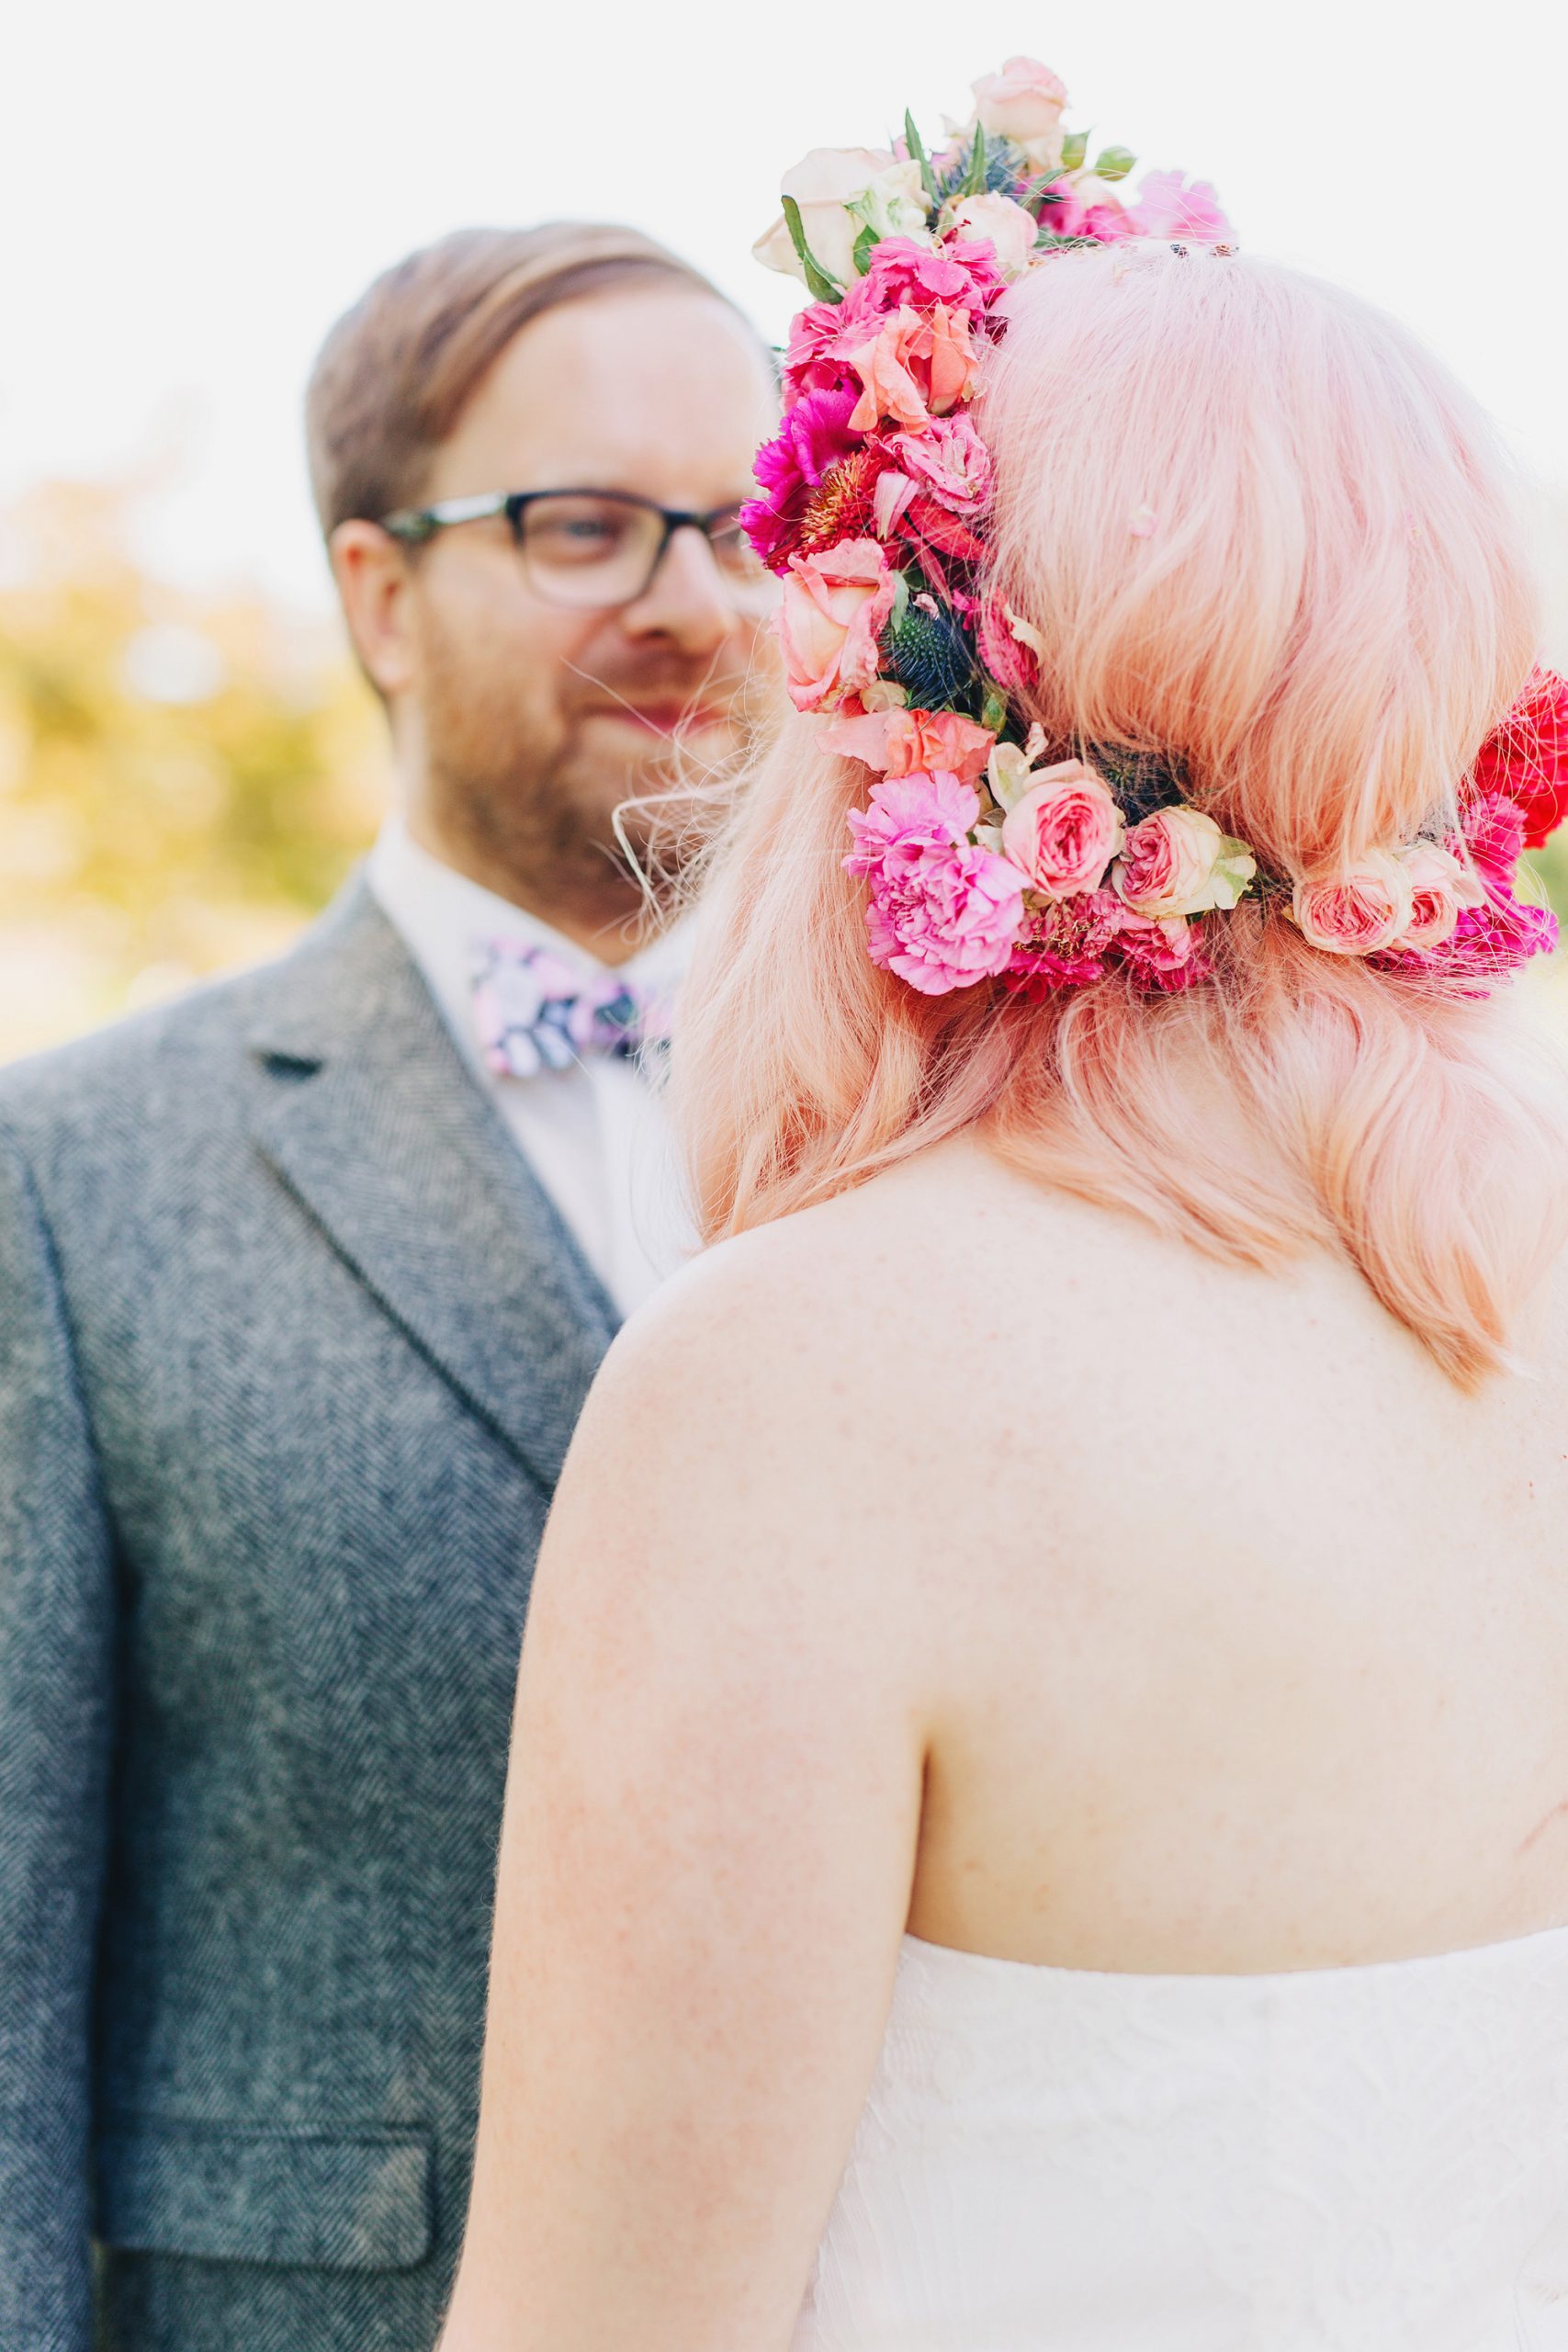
(1369,2159)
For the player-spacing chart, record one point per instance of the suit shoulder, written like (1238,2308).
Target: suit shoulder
(134,1061)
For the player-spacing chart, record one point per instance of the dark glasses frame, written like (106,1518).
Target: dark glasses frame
(415,525)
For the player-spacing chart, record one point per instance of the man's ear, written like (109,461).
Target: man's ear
(372,574)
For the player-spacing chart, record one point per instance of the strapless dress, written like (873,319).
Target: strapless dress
(1366,2159)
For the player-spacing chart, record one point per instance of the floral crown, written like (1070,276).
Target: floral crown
(981,862)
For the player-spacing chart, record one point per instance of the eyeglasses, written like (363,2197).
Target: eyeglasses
(596,546)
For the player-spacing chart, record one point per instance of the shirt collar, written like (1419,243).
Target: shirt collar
(441,914)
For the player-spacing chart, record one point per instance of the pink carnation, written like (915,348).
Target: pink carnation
(1167,954)
(1168,206)
(962,274)
(950,459)
(1066,944)
(943,914)
(908,816)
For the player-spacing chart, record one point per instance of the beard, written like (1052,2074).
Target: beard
(535,789)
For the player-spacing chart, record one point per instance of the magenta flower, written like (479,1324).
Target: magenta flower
(943,914)
(807,367)
(814,436)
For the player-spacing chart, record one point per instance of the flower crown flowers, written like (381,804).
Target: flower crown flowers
(981,862)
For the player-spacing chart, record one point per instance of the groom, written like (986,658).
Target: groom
(302,1281)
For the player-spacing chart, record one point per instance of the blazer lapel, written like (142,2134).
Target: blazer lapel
(369,1115)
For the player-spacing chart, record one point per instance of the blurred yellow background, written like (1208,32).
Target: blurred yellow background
(187,778)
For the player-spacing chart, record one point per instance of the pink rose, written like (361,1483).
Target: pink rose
(950,458)
(1023,102)
(1441,888)
(1065,830)
(943,914)
(1177,862)
(833,612)
(1358,912)
(904,742)
(1167,207)
(911,368)
(1005,226)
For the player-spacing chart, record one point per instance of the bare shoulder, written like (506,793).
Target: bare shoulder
(862,1351)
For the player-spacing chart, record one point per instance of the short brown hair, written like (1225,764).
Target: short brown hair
(398,371)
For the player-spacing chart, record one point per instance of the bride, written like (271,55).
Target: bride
(1040,1809)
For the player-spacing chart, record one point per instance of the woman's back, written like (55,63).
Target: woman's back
(1242,1632)
(1244,1662)
(1047,1673)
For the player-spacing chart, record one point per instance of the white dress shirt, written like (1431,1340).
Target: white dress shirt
(595,1134)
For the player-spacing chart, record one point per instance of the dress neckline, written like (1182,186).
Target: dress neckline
(1499,1952)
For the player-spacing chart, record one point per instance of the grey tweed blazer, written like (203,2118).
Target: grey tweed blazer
(292,1345)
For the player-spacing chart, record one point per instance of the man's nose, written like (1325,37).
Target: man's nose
(686,601)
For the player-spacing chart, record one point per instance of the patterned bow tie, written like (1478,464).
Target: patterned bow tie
(534,1013)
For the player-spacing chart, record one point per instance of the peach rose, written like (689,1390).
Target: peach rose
(824,184)
(1065,830)
(1006,226)
(911,368)
(1177,862)
(1440,886)
(906,743)
(1025,102)
(834,608)
(1358,912)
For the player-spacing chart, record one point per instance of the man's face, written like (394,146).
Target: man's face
(536,720)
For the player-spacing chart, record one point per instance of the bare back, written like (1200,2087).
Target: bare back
(1248,1630)
(959,1558)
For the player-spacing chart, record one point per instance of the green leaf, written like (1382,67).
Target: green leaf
(819,285)
(900,598)
(974,177)
(993,706)
(1114,164)
(1075,147)
(865,245)
(913,141)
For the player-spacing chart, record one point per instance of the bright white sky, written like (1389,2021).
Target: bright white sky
(191,192)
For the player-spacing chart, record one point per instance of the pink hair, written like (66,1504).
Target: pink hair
(1260,532)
